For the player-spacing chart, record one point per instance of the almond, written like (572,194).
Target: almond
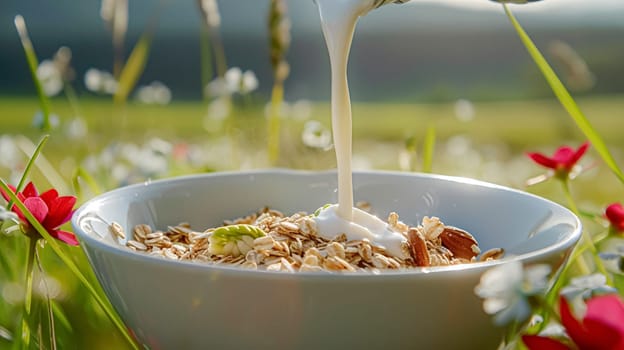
(418,248)
(461,243)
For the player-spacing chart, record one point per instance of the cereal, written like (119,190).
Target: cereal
(269,240)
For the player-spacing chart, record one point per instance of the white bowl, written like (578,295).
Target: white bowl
(184,305)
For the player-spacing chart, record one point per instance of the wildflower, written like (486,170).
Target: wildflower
(585,287)
(8,152)
(48,208)
(315,135)
(100,81)
(249,82)
(50,78)
(6,215)
(507,289)
(613,256)
(76,129)
(154,93)
(55,72)
(562,162)
(600,328)
(464,110)
(615,215)
(233,81)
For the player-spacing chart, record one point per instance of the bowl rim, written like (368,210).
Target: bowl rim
(118,250)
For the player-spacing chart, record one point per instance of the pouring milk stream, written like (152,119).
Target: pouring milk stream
(338,19)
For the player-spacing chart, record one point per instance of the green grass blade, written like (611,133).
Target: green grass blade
(28,290)
(565,98)
(41,162)
(33,63)
(133,68)
(60,315)
(273,142)
(428,149)
(81,173)
(29,166)
(69,263)
(48,304)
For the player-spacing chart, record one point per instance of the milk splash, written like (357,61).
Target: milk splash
(338,19)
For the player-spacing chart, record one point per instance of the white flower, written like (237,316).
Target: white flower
(249,82)
(6,215)
(315,135)
(154,93)
(233,78)
(506,289)
(585,287)
(76,129)
(50,78)
(464,110)
(218,110)
(234,81)
(8,152)
(301,110)
(100,81)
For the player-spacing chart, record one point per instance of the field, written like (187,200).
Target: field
(489,145)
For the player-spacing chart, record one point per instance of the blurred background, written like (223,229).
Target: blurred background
(139,90)
(422,51)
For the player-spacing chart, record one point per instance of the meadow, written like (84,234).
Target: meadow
(100,141)
(490,146)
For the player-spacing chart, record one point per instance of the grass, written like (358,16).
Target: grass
(497,138)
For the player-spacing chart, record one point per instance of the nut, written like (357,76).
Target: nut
(461,243)
(418,246)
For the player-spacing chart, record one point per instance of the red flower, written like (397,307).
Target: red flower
(48,208)
(562,162)
(615,214)
(602,326)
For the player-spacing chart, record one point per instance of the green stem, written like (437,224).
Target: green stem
(25,334)
(50,312)
(587,239)
(72,98)
(220,59)
(277,98)
(52,242)
(29,165)
(565,98)
(33,63)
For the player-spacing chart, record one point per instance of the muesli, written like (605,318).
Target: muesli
(272,241)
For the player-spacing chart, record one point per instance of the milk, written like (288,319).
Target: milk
(338,19)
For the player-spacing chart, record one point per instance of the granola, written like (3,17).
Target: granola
(270,240)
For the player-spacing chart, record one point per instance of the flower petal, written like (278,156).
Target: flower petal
(60,211)
(543,160)
(604,321)
(615,214)
(5,195)
(37,208)
(577,155)
(563,155)
(65,236)
(30,190)
(573,327)
(536,342)
(48,196)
